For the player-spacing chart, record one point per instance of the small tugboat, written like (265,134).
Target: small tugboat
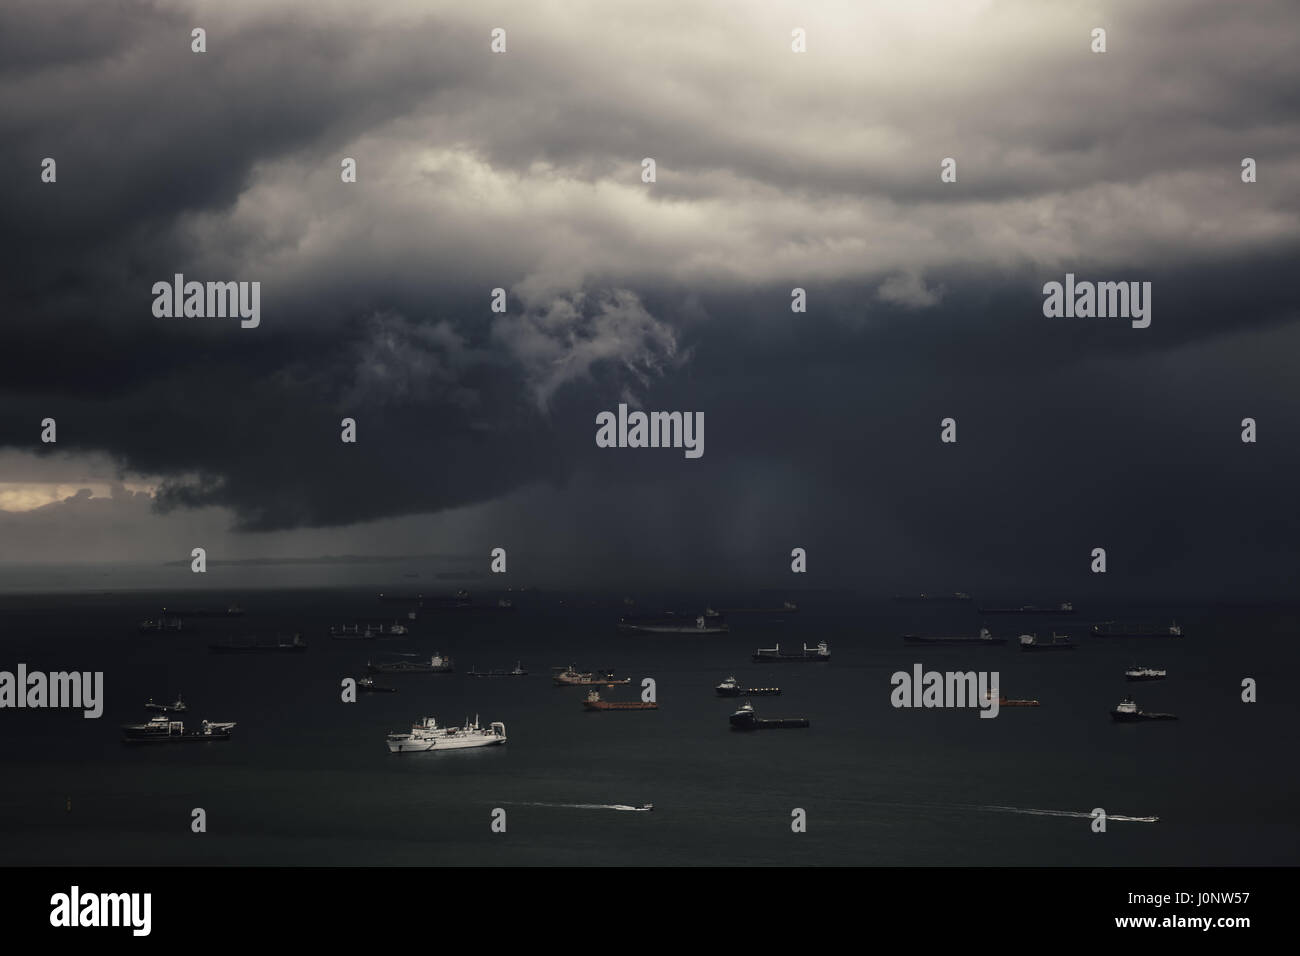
(178,707)
(731,688)
(367,685)
(984,637)
(571,676)
(295,645)
(773,655)
(426,735)
(517,671)
(1145,673)
(1059,642)
(437,664)
(745,719)
(1127,712)
(161,730)
(593,702)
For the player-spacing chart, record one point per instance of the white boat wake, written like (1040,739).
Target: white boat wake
(581,806)
(1064,813)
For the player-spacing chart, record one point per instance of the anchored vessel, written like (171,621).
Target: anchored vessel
(367,685)
(745,719)
(1112,629)
(1127,712)
(787,607)
(703,624)
(774,655)
(1011,702)
(518,671)
(593,702)
(161,730)
(984,637)
(1145,673)
(437,664)
(1059,642)
(281,645)
(233,610)
(958,597)
(571,676)
(426,735)
(160,624)
(176,707)
(1065,607)
(731,688)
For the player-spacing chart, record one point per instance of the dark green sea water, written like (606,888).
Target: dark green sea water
(307,779)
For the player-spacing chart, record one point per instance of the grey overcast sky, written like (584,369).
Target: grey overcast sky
(775,169)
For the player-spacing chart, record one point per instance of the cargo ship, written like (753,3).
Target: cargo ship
(1127,712)
(774,655)
(1010,702)
(1065,607)
(161,730)
(425,735)
(745,719)
(1112,629)
(571,676)
(594,702)
(670,624)
(159,625)
(731,688)
(294,645)
(437,664)
(1145,673)
(1059,642)
(787,607)
(957,597)
(984,637)
(517,671)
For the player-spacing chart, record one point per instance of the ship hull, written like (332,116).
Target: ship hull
(442,744)
(799,659)
(1047,647)
(619,705)
(1143,680)
(1127,718)
(761,723)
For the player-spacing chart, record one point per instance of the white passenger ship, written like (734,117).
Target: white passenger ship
(426,735)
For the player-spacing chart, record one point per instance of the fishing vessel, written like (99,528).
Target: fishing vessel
(746,719)
(571,676)
(732,688)
(1065,607)
(671,625)
(1127,712)
(176,707)
(594,702)
(517,671)
(984,637)
(437,664)
(281,645)
(1114,629)
(1145,673)
(774,655)
(1059,642)
(425,735)
(161,730)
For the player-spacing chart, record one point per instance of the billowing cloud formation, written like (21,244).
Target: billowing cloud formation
(775,169)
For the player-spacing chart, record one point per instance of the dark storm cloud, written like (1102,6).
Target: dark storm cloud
(775,170)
